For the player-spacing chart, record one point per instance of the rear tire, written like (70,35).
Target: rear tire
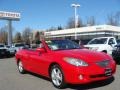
(21,68)
(57,77)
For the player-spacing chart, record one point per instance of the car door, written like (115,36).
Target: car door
(111,44)
(39,62)
(28,61)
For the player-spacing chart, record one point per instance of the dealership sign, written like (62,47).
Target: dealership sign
(9,15)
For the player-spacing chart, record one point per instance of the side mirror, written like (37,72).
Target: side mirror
(41,50)
(110,43)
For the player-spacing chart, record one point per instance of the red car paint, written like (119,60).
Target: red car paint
(39,61)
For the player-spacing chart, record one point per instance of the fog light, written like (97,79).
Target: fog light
(80,77)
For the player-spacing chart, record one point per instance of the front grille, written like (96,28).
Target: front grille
(2,50)
(107,73)
(104,63)
(97,76)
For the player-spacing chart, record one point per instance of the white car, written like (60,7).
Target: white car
(11,49)
(102,44)
(18,46)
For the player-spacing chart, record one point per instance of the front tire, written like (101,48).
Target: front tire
(21,68)
(57,77)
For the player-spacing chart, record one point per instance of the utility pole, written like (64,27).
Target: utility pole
(9,26)
(76,17)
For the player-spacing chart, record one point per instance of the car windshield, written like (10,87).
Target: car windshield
(62,44)
(8,46)
(19,45)
(1,45)
(98,41)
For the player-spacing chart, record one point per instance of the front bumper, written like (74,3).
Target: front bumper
(4,52)
(12,52)
(84,75)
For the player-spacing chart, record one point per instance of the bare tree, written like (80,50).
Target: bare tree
(52,29)
(55,28)
(37,37)
(26,34)
(59,27)
(80,23)
(18,37)
(71,23)
(117,18)
(3,35)
(91,21)
(113,19)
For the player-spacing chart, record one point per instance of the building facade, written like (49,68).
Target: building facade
(84,33)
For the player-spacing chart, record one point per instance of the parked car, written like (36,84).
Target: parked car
(79,42)
(4,51)
(116,53)
(11,49)
(63,61)
(18,46)
(102,44)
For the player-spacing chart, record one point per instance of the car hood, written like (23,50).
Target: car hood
(84,54)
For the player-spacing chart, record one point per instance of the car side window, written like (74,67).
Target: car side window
(111,41)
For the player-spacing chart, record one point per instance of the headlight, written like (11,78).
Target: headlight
(76,62)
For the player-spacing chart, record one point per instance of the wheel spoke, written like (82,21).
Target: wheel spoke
(20,67)
(57,82)
(53,76)
(59,75)
(56,76)
(54,71)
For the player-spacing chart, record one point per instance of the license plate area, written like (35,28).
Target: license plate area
(2,52)
(108,72)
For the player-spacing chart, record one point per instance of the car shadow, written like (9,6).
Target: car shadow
(6,57)
(39,76)
(92,85)
(79,86)
(117,60)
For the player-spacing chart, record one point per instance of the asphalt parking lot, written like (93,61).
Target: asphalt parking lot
(10,79)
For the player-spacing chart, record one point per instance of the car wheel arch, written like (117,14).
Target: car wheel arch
(105,51)
(51,65)
(18,61)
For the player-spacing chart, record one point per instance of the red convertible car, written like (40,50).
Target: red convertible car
(63,61)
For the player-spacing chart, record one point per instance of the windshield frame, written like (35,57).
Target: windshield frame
(19,45)
(91,42)
(77,45)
